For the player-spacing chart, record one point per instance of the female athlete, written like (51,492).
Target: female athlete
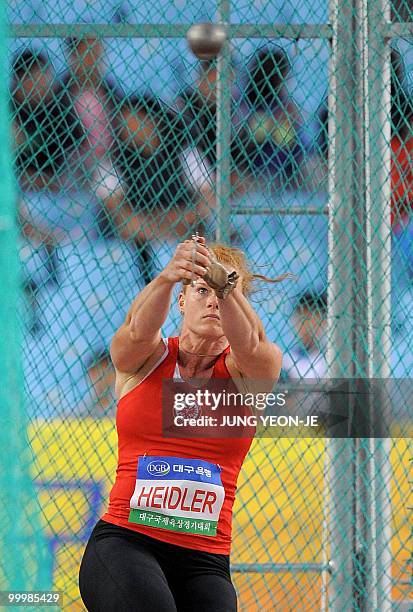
(164,543)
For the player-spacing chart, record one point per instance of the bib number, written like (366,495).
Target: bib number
(178,494)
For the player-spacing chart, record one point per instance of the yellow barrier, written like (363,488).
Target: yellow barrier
(278,515)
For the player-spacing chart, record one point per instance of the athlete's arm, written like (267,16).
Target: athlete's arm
(251,351)
(140,335)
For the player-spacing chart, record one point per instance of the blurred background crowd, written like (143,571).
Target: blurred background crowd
(115,159)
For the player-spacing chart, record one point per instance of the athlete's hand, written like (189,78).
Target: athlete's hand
(187,263)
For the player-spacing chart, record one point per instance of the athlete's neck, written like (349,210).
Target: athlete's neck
(201,355)
(198,345)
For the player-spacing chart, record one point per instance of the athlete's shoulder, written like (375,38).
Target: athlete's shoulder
(126,382)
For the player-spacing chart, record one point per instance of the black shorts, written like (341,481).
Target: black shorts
(123,570)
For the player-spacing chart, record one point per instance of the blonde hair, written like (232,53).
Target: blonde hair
(235,258)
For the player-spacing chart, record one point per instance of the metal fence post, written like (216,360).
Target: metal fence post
(223,127)
(21,541)
(359,298)
(347,352)
(378,135)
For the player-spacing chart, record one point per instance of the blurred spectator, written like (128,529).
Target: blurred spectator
(273,117)
(314,166)
(53,210)
(44,133)
(101,399)
(401,176)
(45,128)
(401,167)
(401,145)
(198,105)
(307,360)
(91,99)
(157,186)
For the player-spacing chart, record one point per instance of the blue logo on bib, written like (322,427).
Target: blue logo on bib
(158,468)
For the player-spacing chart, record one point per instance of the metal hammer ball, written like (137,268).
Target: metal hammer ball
(206,40)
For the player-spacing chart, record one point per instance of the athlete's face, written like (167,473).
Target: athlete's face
(199,305)
(200,308)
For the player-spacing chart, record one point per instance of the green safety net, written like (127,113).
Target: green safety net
(124,145)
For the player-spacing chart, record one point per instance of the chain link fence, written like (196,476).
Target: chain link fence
(295,144)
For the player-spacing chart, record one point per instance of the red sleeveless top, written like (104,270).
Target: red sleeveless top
(177,490)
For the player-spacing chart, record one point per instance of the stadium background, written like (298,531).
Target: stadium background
(124,143)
